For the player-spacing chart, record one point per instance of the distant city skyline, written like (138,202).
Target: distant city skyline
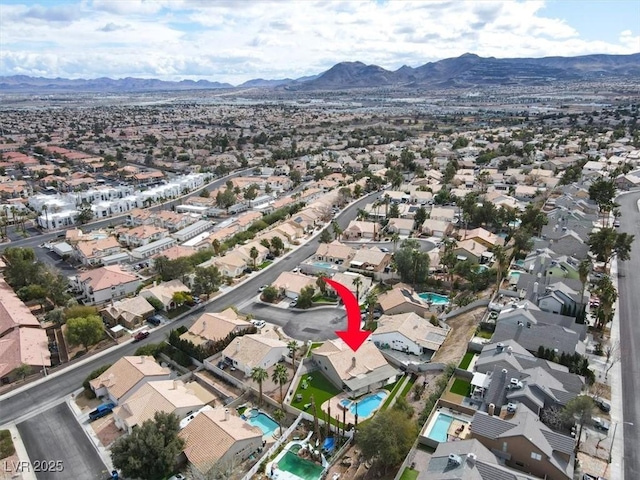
(235,41)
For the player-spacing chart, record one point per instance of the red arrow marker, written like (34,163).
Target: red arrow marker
(352,336)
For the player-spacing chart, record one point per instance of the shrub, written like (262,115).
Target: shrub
(151,349)
(6,444)
(95,374)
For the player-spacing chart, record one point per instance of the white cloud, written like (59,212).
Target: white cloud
(235,41)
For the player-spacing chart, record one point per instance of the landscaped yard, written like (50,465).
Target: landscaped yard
(466,360)
(317,385)
(171,314)
(409,474)
(6,444)
(461,387)
(484,334)
(264,264)
(313,345)
(323,299)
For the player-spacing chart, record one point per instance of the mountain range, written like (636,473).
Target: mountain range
(468,70)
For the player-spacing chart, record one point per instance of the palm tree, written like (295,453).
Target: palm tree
(280,376)
(357,282)
(395,238)
(608,295)
(279,416)
(362,214)
(337,231)
(259,375)
(292,346)
(449,260)
(217,246)
(253,253)
(371,301)
(583,271)
(500,259)
(321,284)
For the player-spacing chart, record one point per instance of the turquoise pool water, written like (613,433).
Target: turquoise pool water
(434,298)
(367,405)
(322,264)
(263,421)
(482,268)
(440,428)
(515,275)
(300,467)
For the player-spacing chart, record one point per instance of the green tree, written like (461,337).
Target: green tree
(602,192)
(278,245)
(411,263)
(395,238)
(204,193)
(253,254)
(259,375)
(357,190)
(607,243)
(394,211)
(337,231)
(155,303)
(522,243)
(217,246)
(180,298)
(85,214)
(419,218)
(295,176)
(206,280)
(533,219)
(85,331)
(579,410)
(321,284)
(584,269)
(293,347)
(279,417)
(325,236)
(151,450)
(500,264)
(357,282)
(280,376)
(387,438)
(607,294)
(22,371)
(270,294)
(305,299)
(55,316)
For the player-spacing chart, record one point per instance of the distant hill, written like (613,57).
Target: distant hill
(103,84)
(468,70)
(471,70)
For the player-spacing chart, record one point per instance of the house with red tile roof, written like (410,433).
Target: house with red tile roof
(22,340)
(105,284)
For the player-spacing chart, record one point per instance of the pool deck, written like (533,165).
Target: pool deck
(454,433)
(337,409)
(275,473)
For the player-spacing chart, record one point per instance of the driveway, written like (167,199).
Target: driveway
(317,324)
(56,435)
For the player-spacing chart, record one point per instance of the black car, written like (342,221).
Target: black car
(602,405)
(155,320)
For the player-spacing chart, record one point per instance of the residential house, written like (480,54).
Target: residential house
(92,252)
(210,327)
(245,252)
(470,250)
(570,243)
(192,230)
(437,228)
(250,351)
(533,336)
(356,373)
(528,314)
(290,231)
(335,253)
(409,333)
(468,460)
(553,294)
(370,261)
(291,284)
(130,312)
(349,280)
(104,284)
(403,299)
(401,226)
(526,443)
(152,249)
(164,292)
(444,214)
(166,396)
(142,235)
(23,341)
(216,438)
(358,229)
(126,376)
(482,236)
(231,264)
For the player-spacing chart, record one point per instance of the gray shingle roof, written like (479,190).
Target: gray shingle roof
(549,336)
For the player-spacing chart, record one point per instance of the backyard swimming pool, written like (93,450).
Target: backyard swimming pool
(367,405)
(440,428)
(434,298)
(288,465)
(263,421)
(514,275)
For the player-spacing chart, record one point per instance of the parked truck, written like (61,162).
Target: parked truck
(101,411)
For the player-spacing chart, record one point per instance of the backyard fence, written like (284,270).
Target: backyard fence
(482,302)
(265,458)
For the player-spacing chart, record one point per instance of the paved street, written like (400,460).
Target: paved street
(56,435)
(629,306)
(44,395)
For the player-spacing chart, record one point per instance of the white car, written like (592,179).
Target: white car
(259,323)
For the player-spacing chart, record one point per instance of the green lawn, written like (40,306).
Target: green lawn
(313,345)
(461,387)
(409,474)
(6,444)
(408,386)
(466,360)
(484,334)
(171,314)
(321,389)
(264,264)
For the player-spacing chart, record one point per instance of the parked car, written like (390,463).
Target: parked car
(155,320)
(602,405)
(296,270)
(616,224)
(258,323)
(140,336)
(101,411)
(601,424)
(270,256)
(293,304)
(384,250)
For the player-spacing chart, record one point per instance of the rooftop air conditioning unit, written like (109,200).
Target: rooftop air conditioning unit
(455,459)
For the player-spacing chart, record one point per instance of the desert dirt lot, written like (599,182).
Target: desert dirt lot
(462,330)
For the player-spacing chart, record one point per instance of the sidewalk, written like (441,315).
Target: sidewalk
(25,473)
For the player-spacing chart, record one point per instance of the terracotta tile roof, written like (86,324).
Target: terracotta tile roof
(250,350)
(93,248)
(215,326)
(164,291)
(123,375)
(398,295)
(335,249)
(294,282)
(209,436)
(145,231)
(339,354)
(177,251)
(13,311)
(413,327)
(107,277)
(157,396)
(23,345)
(130,308)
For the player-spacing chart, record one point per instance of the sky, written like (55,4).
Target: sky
(237,40)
